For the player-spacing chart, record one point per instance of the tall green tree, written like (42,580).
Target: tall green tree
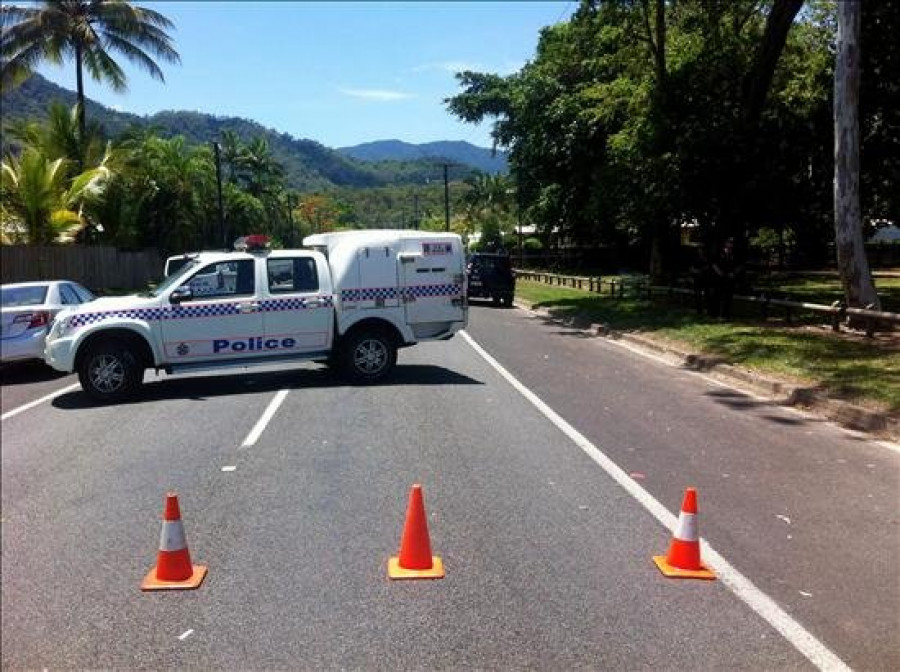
(88,32)
(851,257)
(488,208)
(639,115)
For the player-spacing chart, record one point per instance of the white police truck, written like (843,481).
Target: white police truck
(350,299)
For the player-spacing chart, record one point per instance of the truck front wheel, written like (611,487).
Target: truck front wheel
(369,356)
(110,372)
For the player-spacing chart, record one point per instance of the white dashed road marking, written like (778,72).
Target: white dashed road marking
(38,402)
(267,416)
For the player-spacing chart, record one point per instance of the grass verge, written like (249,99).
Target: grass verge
(848,367)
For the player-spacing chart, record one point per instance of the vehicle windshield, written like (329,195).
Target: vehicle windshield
(491,263)
(12,297)
(173,280)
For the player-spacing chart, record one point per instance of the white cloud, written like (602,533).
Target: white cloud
(508,67)
(449,66)
(379,95)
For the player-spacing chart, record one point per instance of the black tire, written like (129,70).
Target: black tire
(496,299)
(110,372)
(368,356)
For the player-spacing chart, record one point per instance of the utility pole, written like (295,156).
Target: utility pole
(219,187)
(416,211)
(446,198)
(292,233)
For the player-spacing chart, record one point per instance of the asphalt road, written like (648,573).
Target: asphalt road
(547,557)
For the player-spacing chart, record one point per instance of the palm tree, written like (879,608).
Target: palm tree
(40,203)
(86,31)
(59,137)
(263,171)
(488,206)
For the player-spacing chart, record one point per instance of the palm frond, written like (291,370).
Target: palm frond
(136,55)
(65,225)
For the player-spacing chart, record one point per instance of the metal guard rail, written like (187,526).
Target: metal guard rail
(618,287)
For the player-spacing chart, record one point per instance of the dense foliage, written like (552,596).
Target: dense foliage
(640,121)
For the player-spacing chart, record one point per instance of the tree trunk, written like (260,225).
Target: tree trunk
(759,79)
(82,126)
(853,265)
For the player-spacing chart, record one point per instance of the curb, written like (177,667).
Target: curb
(879,424)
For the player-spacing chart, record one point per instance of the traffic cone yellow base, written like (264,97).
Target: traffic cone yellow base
(150,581)
(677,573)
(436,571)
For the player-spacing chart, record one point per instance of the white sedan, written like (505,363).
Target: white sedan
(28,309)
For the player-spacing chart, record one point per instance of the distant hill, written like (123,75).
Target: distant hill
(309,165)
(455,152)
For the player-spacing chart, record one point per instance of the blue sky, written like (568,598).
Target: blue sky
(341,73)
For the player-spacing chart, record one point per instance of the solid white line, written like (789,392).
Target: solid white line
(817,653)
(184,635)
(257,430)
(38,402)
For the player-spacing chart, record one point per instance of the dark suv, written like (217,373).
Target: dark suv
(490,276)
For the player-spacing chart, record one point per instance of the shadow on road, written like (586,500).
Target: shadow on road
(739,401)
(23,373)
(201,388)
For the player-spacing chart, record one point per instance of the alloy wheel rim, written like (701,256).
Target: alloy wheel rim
(370,356)
(107,373)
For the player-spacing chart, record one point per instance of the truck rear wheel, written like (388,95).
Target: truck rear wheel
(369,356)
(110,372)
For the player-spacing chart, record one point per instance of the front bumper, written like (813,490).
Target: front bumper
(59,353)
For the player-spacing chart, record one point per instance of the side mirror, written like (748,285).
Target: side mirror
(181,294)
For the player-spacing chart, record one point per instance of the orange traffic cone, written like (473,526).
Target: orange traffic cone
(683,560)
(173,570)
(415,560)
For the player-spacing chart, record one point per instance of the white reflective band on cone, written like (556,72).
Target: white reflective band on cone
(687,527)
(172,536)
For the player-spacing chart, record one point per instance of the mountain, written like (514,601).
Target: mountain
(308,164)
(458,152)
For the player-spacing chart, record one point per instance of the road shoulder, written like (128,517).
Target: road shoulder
(783,392)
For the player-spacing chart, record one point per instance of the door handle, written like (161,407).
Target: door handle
(252,307)
(314,303)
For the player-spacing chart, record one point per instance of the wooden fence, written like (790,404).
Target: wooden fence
(96,267)
(639,286)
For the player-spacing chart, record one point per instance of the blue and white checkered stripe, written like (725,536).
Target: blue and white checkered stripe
(369,294)
(190,312)
(434,290)
(146,314)
(279,305)
(417,291)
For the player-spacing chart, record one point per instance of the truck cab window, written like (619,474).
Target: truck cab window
(223,279)
(292,275)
